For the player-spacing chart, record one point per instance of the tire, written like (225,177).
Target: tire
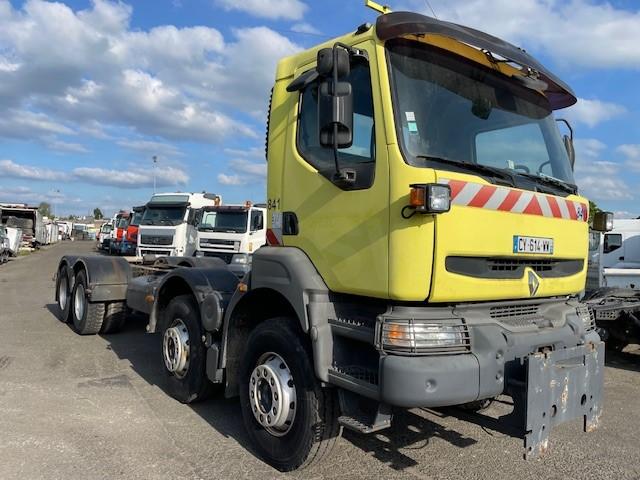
(63,294)
(311,427)
(114,318)
(184,352)
(87,317)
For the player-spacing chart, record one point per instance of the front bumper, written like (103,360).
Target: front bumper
(551,365)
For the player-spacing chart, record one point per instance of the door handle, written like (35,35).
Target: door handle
(620,258)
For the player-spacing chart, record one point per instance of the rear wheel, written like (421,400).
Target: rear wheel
(87,316)
(63,294)
(184,352)
(290,418)
(114,318)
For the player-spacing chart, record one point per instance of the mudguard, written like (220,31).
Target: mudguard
(107,277)
(211,287)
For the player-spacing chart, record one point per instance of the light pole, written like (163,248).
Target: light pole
(155,162)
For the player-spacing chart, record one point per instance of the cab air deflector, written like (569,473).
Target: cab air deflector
(398,24)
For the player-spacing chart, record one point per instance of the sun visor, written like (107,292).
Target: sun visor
(398,24)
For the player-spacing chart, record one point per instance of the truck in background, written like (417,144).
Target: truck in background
(130,239)
(104,236)
(5,251)
(28,219)
(169,223)
(121,222)
(390,154)
(232,233)
(613,283)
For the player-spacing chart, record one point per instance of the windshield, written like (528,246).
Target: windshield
(450,108)
(123,222)
(106,228)
(233,222)
(135,219)
(163,216)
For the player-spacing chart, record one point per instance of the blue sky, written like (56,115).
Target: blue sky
(91,90)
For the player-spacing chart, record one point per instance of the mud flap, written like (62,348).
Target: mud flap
(562,385)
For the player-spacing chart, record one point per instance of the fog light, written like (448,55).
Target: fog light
(430,198)
(415,336)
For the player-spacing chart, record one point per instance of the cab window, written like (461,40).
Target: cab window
(360,156)
(612,241)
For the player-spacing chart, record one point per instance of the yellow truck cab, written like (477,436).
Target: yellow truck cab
(426,247)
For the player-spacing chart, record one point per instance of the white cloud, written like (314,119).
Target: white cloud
(149,147)
(271,9)
(598,178)
(65,147)
(130,177)
(253,152)
(624,214)
(305,27)
(168,82)
(598,187)
(578,32)
(10,169)
(631,151)
(593,112)
(234,180)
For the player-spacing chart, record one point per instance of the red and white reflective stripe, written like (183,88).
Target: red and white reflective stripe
(272,238)
(491,197)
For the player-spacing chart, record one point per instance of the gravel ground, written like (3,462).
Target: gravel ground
(76,407)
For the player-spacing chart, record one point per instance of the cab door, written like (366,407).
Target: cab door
(343,230)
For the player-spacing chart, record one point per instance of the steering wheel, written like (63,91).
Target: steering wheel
(542,165)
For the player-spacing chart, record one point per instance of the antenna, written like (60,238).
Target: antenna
(432,10)
(382,9)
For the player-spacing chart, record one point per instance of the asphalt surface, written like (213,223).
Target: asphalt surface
(76,407)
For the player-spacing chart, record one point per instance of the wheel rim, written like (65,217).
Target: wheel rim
(272,394)
(78,302)
(63,291)
(175,349)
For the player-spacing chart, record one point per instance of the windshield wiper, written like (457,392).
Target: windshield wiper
(567,187)
(477,167)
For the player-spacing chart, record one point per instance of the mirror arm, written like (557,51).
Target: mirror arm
(566,122)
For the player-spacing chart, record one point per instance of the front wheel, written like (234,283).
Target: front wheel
(290,418)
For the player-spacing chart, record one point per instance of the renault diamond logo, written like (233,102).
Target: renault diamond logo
(534,283)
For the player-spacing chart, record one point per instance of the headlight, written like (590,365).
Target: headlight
(584,313)
(430,197)
(241,258)
(424,337)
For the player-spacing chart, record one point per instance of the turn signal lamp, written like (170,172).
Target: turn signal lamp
(430,198)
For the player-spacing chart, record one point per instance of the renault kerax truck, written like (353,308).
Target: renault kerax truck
(168,224)
(426,246)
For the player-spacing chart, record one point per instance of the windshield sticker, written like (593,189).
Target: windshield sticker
(413,127)
(411,117)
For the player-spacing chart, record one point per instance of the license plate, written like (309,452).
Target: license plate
(532,245)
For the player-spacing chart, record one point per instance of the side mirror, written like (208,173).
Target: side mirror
(568,142)
(335,114)
(603,221)
(568,145)
(335,98)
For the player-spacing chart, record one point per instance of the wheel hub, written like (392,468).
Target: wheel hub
(78,302)
(175,348)
(272,394)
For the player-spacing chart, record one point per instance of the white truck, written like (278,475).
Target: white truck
(232,233)
(168,226)
(26,218)
(613,283)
